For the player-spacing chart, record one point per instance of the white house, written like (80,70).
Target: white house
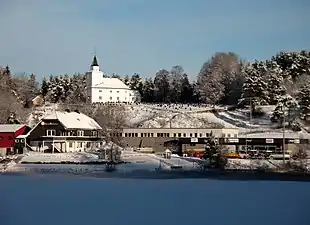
(105,89)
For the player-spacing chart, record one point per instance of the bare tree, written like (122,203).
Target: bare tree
(10,101)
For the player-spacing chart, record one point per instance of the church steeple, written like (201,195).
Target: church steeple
(95,62)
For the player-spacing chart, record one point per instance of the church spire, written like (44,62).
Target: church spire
(95,62)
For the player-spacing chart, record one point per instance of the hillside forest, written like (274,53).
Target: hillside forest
(224,79)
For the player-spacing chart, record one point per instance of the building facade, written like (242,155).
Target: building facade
(102,89)
(62,132)
(156,138)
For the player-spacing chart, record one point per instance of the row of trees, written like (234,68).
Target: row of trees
(15,91)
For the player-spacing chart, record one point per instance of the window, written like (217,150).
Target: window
(10,138)
(70,144)
(117,98)
(17,140)
(129,94)
(79,144)
(174,135)
(100,90)
(184,135)
(80,133)
(22,140)
(94,133)
(100,97)
(117,92)
(200,135)
(110,91)
(196,135)
(111,98)
(191,135)
(50,132)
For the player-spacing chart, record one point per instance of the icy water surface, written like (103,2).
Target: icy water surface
(66,200)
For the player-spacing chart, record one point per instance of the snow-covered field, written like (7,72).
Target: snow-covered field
(135,162)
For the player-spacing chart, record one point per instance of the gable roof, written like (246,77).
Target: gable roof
(10,128)
(111,82)
(74,120)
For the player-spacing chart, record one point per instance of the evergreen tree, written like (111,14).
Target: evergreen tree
(126,80)
(44,87)
(148,91)
(255,87)
(275,82)
(304,102)
(215,154)
(287,107)
(162,86)
(186,90)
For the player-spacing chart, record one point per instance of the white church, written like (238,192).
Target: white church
(105,89)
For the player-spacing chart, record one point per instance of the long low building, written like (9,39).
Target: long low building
(193,138)
(156,137)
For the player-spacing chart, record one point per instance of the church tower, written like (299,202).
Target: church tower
(93,77)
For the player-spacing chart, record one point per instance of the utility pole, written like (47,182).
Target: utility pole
(251,126)
(283,132)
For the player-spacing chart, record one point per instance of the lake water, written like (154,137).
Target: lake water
(55,200)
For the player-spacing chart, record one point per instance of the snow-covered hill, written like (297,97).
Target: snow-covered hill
(184,116)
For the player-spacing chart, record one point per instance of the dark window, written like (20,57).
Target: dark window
(196,135)
(10,138)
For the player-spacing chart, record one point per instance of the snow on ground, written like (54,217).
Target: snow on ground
(78,157)
(182,116)
(189,116)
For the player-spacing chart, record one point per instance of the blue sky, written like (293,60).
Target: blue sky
(56,37)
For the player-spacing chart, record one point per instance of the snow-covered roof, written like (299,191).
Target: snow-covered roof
(109,82)
(9,128)
(74,120)
(287,134)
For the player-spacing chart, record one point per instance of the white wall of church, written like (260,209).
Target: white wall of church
(112,95)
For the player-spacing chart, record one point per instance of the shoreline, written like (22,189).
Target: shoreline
(238,175)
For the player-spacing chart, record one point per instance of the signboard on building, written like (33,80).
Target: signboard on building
(269,140)
(194,139)
(233,140)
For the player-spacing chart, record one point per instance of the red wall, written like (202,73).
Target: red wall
(8,139)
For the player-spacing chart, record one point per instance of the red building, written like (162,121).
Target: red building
(8,133)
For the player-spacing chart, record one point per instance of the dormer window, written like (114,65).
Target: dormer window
(80,133)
